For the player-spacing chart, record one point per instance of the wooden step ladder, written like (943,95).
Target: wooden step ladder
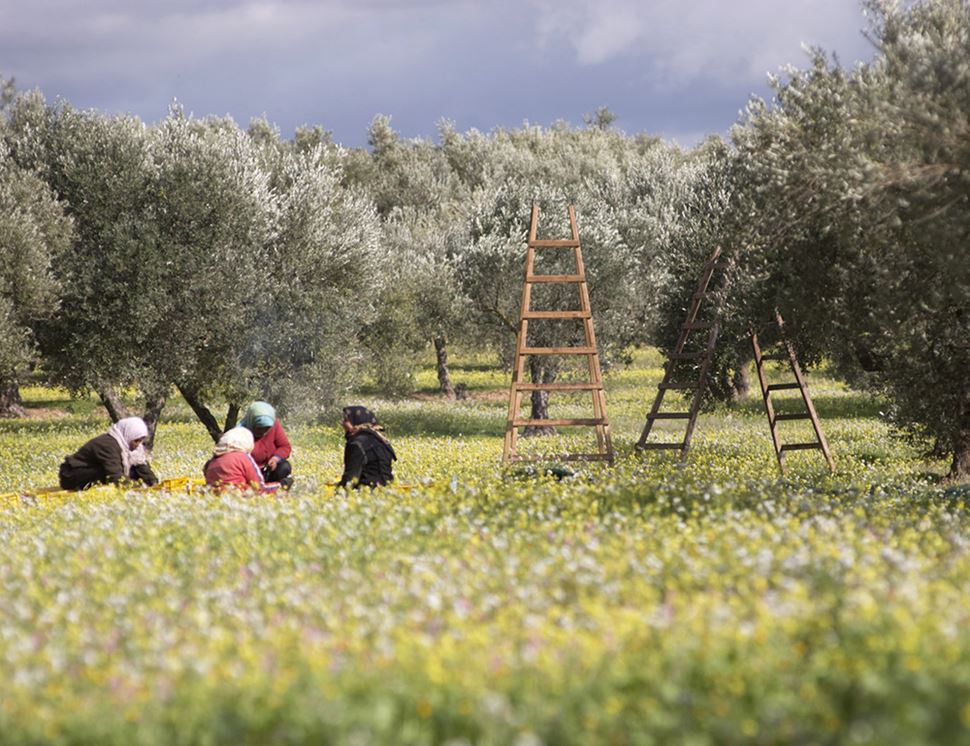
(702,358)
(820,443)
(584,314)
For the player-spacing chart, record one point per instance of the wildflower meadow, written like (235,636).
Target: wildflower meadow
(644,603)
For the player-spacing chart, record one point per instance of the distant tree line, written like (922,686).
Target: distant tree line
(194,256)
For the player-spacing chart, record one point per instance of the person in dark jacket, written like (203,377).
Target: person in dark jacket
(271,447)
(367,453)
(116,457)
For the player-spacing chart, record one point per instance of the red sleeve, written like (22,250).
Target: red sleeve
(282,443)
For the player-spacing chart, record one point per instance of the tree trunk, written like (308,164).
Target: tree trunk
(960,468)
(444,379)
(154,404)
(11,404)
(202,412)
(741,383)
(112,402)
(543,370)
(232,416)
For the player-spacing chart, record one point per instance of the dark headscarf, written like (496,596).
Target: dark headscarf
(357,416)
(365,420)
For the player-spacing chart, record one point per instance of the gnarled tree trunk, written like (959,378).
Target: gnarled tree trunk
(444,379)
(11,404)
(113,403)
(542,370)
(960,468)
(154,404)
(741,383)
(204,414)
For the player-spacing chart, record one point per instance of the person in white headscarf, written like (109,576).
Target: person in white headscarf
(232,466)
(115,457)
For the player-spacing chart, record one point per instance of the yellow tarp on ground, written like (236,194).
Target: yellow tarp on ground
(176,484)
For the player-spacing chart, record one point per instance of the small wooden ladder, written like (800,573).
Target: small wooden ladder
(522,350)
(767,389)
(704,356)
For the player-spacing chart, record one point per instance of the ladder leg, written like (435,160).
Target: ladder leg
(796,370)
(692,311)
(695,406)
(766,396)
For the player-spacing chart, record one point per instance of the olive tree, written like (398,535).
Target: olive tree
(101,170)
(33,229)
(855,186)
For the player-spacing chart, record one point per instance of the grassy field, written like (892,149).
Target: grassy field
(645,603)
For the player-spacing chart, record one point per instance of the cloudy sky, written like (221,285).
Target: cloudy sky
(675,68)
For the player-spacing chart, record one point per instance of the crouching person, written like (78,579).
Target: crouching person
(271,447)
(368,453)
(232,465)
(115,457)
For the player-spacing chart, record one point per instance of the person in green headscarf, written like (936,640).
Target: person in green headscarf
(271,447)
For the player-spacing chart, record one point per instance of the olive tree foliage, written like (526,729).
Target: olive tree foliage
(270,262)
(554,168)
(214,215)
(420,200)
(695,215)
(422,302)
(33,228)
(855,185)
(102,172)
(620,187)
(324,276)
(204,259)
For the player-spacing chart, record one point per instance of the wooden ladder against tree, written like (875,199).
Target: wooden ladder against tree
(767,389)
(522,350)
(702,358)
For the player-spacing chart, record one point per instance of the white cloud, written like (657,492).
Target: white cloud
(712,39)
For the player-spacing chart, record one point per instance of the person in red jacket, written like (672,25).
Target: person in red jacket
(272,447)
(232,466)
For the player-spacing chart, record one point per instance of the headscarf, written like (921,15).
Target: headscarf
(124,431)
(363,419)
(235,439)
(259,414)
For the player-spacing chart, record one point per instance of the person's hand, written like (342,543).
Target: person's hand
(273,461)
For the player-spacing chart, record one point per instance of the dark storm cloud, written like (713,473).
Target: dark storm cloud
(668,67)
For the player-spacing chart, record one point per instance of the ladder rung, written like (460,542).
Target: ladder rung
(777,357)
(795,416)
(800,446)
(698,325)
(555,278)
(687,356)
(669,416)
(556,315)
(677,386)
(783,386)
(563,457)
(661,447)
(558,386)
(558,350)
(561,423)
(556,243)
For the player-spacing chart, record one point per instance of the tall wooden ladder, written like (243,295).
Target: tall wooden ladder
(701,358)
(788,354)
(594,385)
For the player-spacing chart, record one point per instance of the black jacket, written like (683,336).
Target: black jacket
(367,460)
(99,461)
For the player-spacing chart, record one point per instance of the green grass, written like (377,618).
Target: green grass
(650,602)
